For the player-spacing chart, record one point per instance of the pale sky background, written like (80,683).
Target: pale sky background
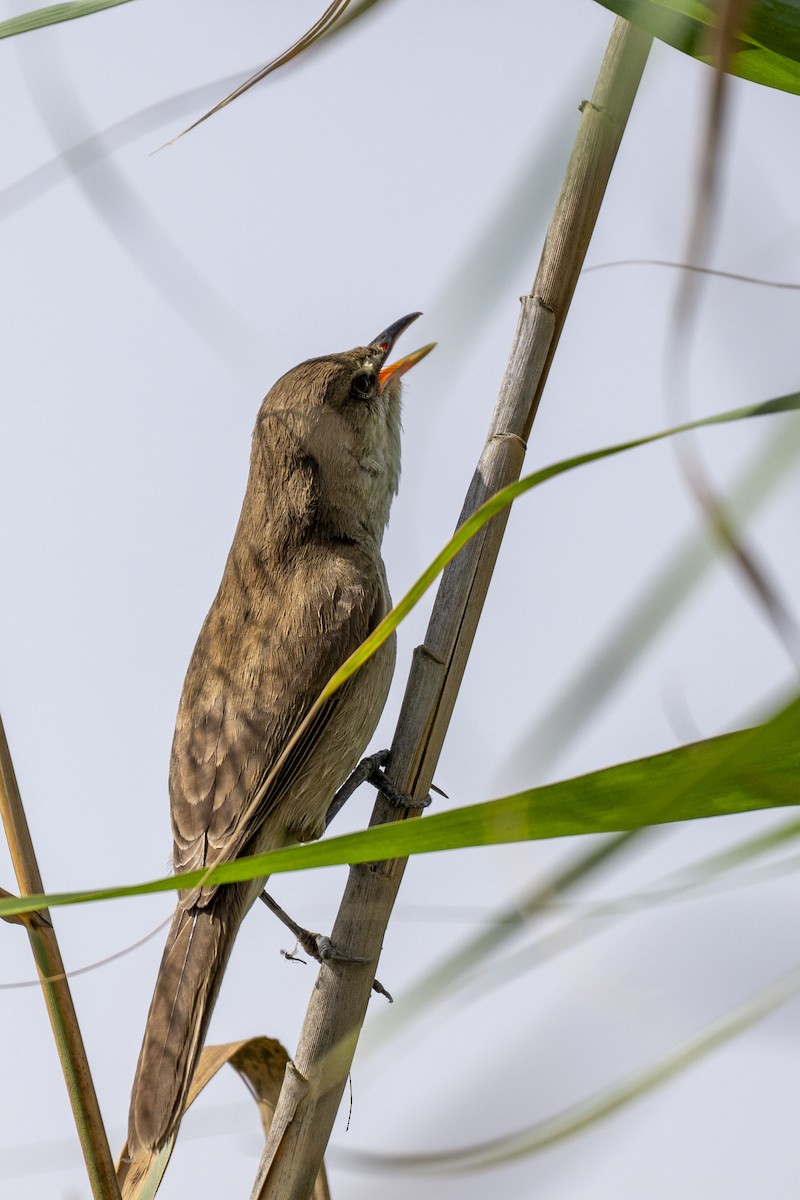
(148,302)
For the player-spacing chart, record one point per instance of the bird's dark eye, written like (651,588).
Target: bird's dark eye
(361,386)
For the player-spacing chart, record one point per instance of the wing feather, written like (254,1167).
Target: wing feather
(249,686)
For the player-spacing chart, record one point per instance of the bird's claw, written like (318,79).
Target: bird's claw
(316,945)
(322,949)
(372,770)
(377,777)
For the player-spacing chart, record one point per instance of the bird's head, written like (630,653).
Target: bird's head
(344,409)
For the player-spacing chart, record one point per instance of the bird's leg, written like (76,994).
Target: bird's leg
(316,945)
(372,770)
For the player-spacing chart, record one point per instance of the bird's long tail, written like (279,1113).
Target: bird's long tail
(196,954)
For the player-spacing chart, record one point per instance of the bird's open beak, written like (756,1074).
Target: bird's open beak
(386,340)
(404,364)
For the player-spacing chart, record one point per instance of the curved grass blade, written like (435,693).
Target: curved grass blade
(332,20)
(738,772)
(620,647)
(506,496)
(54,15)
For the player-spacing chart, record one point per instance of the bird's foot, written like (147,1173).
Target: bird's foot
(372,769)
(316,945)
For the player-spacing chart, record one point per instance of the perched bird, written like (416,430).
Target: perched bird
(303,586)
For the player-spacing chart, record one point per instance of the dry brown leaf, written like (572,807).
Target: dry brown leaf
(261,1062)
(320,27)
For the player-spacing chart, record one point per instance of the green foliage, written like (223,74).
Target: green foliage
(738,772)
(54,14)
(767,50)
(506,496)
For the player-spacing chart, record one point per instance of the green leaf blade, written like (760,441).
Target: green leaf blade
(769,44)
(54,14)
(738,772)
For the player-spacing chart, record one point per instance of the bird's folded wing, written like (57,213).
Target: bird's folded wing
(227,774)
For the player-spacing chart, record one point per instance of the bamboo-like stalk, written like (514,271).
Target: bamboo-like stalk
(55,987)
(314,1082)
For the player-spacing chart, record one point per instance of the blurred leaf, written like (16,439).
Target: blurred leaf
(513,232)
(218,325)
(738,772)
(768,47)
(580,1116)
(694,882)
(54,15)
(501,500)
(449,972)
(619,648)
(100,145)
(475,968)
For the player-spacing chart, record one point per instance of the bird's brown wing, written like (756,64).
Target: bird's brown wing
(237,715)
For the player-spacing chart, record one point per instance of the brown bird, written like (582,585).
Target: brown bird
(303,586)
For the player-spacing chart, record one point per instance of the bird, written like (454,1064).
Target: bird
(304,584)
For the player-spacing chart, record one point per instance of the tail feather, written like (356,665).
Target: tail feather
(196,954)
